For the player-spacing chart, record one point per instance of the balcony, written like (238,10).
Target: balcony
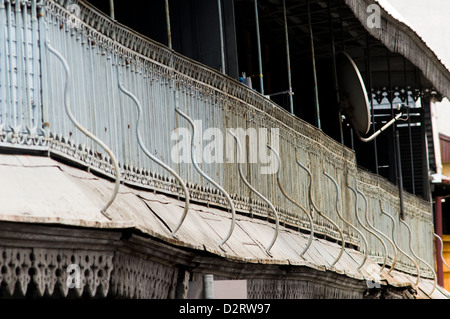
(58,69)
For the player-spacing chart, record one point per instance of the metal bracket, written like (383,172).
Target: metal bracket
(154,158)
(442,249)
(398,247)
(277,223)
(84,130)
(311,223)
(320,212)
(366,250)
(417,257)
(209,179)
(366,212)
(394,244)
(346,221)
(381,130)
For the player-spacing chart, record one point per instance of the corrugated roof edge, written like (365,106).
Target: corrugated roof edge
(399,37)
(74,196)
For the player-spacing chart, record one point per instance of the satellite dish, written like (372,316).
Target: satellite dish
(354,103)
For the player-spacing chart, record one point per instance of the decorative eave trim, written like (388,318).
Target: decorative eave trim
(400,38)
(128,265)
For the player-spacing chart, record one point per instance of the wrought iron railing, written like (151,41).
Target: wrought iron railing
(100,53)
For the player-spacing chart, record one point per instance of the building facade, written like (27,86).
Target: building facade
(432,31)
(132,168)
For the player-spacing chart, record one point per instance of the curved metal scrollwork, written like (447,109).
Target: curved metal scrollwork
(209,179)
(277,223)
(366,250)
(67,87)
(398,247)
(321,214)
(154,158)
(420,259)
(311,223)
(346,221)
(366,212)
(394,247)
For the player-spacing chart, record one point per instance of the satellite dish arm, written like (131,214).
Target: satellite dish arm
(388,124)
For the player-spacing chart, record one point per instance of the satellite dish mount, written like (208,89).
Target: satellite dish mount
(353,99)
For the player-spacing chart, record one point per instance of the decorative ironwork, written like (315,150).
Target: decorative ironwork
(153,72)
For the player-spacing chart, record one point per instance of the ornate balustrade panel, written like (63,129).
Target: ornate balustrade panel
(421,223)
(100,53)
(20,100)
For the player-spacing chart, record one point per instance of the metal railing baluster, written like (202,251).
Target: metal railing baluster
(341,234)
(154,158)
(366,250)
(346,221)
(241,174)
(67,87)
(398,247)
(311,223)
(209,179)
(420,259)
(373,230)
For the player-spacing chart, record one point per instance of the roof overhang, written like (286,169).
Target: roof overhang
(400,38)
(43,191)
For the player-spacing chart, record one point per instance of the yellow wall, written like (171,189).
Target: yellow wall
(446,253)
(446,170)
(446,239)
